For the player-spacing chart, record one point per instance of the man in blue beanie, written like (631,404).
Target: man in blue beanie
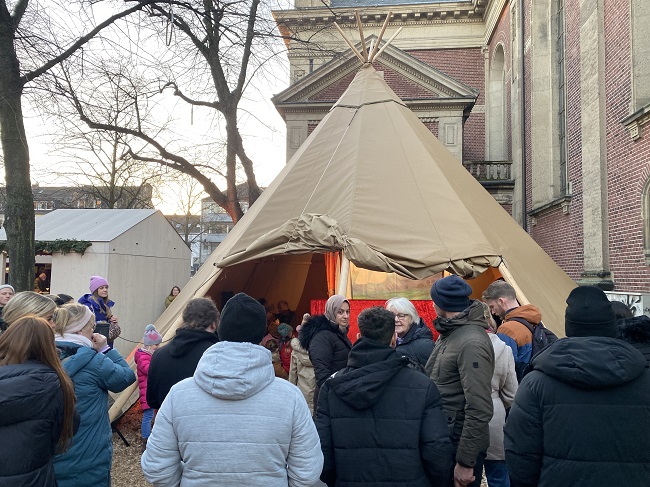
(461,365)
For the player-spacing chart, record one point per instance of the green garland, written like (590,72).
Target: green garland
(65,246)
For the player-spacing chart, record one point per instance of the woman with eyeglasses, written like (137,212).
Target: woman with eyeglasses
(95,369)
(414,338)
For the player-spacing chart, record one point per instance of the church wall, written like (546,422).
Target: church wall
(628,160)
(467,66)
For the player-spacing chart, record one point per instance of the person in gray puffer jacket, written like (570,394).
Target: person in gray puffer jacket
(234,423)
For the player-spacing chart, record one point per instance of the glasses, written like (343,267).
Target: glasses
(400,316)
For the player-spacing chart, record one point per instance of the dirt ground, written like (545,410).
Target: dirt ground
(126,460)
(126,470)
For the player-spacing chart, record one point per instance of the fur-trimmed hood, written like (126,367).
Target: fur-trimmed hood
(636,332)
(313,326)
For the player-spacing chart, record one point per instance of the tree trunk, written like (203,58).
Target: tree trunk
(19,212)
(232,135)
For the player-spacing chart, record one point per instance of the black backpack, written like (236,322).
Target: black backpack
(542,338)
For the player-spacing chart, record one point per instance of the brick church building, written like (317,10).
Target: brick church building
(544,101)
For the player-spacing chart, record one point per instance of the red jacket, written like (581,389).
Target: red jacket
(142,361)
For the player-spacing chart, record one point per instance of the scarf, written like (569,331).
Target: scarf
(74,338)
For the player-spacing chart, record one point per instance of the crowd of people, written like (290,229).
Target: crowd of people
(249,396)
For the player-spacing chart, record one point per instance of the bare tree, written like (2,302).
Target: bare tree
(31,44)
(214,50)
(98,161)
(187,212)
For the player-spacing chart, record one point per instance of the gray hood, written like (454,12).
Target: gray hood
(234,371)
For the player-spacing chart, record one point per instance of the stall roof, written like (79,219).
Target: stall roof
(92,225)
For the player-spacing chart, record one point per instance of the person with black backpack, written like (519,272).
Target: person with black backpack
(521,326)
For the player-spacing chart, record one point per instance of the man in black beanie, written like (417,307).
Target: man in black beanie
(462,365)
(234,422)
(582,416)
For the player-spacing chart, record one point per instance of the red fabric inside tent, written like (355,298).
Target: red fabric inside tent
(423,307)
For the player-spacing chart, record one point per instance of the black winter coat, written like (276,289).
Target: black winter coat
(582,417)
(382,423)
(177,361)
(417,344)
(31,416)
(328,347)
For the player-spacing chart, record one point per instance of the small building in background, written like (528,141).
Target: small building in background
(137,251)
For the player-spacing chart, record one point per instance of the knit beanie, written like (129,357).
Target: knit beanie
(151,336)
(243,319)
(96,282)
(7,286)
(589,314)
(284,330)
(451,293)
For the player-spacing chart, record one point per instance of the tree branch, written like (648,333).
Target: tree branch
(210,104)
(250,33)
(25,78)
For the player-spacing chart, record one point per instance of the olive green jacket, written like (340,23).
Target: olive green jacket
(461,365)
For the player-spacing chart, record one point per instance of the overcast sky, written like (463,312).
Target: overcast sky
(260,124)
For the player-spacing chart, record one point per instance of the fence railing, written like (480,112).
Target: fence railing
(490,170)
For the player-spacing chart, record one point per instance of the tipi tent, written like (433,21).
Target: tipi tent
(372,182)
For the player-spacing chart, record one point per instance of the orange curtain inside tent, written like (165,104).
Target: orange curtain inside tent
(332,270)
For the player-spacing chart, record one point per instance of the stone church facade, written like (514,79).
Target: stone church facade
(545,102)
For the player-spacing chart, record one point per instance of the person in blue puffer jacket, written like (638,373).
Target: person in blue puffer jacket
(94,369)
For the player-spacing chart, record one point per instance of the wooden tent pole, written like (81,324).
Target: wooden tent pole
(363,39)
(373,51)
(388,42)
(343,276)
(354,49)
(521,297)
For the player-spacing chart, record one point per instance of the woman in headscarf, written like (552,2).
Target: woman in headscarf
(325,337)
(94,369)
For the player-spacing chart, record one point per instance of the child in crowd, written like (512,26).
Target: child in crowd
(286,333)
(151,341)
(272,346)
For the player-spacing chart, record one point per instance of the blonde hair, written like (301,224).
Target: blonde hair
(67,314)
(28,303)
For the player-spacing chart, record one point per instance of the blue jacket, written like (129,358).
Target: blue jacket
(88,461)
(31,416)
(99,311)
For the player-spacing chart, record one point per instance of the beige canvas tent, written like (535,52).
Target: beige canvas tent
(372,182)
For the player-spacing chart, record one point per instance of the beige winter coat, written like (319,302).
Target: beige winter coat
(301,372)
(504,387)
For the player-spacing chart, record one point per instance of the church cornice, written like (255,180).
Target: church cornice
(438,83)
(307,18)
